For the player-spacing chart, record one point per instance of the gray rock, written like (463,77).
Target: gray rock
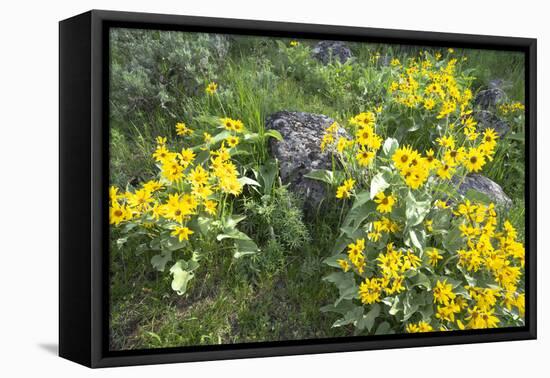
(487,119)
(486,186)
(326,51)
(299,152)
(489,98)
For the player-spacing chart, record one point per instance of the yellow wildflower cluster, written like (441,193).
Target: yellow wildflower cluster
(433,87)
(390,278)
(185,188)
(366,142)
(416,168)
(514,107)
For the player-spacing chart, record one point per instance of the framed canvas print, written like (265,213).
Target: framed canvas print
(233,188)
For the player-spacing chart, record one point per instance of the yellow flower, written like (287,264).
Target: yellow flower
(207,138)
(162,153)
(344,190)
(403,156)
(118,213)
(172,170)
(152,186)
(370,290)
(421,326)
(443,292)
(385,203)
(182,129)
(210,207)
(294,43)
(445,171)
(182,233)
(161,141)
(365,157)
(343,264)
(474,160)
(232,141)
(434,257)
(395,62)
(211,88)
(113,194)
(186,157)
(198,176)
(446,142)
(140,200)
(429,103)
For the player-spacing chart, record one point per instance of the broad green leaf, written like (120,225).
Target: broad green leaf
(333,260)
(369,318)
(345,282)
(159,261)
(415,211)
(181,277)
(378,184)
(390,146)
(383,328)
(342,308)
(245,247)
(453,240)
(351,317)
(267,175)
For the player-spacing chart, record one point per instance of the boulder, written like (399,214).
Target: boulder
(486,186)
(487,119)
(326,51)
(299,152)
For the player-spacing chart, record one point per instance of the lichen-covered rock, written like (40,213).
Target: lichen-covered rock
(487,119)
(486,186)
(325,51)
(299,152)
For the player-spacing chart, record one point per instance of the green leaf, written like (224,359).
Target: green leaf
(415,211)
(342,308)
(390,146)
(383,328)
(378,184)
(350,317)
(333,260)
(368,320)
(267,174)
(181,276)
(274,134)
(159,261)
(417,239)
(330,177)
(245,247)
(357,216)
(345,282)
(219,137)
(453,240)
(248,181)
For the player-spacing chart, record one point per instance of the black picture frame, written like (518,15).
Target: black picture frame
(83,181)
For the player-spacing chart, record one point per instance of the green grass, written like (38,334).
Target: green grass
(278,295)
